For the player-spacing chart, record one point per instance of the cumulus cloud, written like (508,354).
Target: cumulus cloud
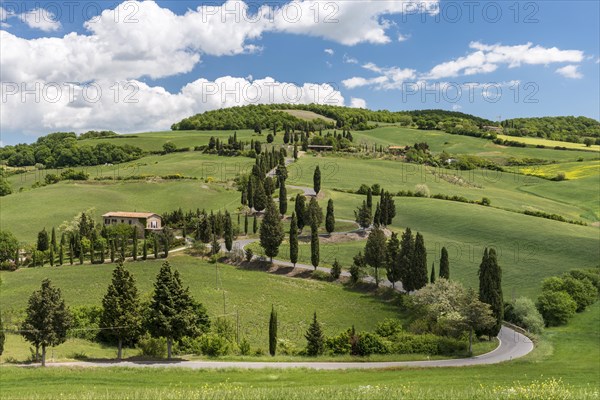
(350,60)
(570,71)
(356,102)
(40,18)
(389,78)
(330,51)
(403,38)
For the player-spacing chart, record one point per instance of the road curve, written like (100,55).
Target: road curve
(512,345)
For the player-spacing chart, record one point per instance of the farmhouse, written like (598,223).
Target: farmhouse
(144,221)
(317,147)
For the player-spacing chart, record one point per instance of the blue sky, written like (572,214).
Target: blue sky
(542,56)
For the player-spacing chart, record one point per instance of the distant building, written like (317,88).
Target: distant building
(320,147)
(398,150)
(497,129)
(144,221)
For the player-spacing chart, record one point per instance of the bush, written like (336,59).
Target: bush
(389,327)
(582,291)
(249,255)
(336,270)
(593,275)
(213,345)
(84,321)
(556,307)
(244,347)
(370,343)
(286,348)
(51,178)
(153,347)
(320,275)
(422,190)
(339,344)
(74,175)
(416,344)
(524,314)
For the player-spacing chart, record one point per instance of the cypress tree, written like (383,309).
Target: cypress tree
(317,180)
(363,216)
(70,253)
(121,310)
(393,259)
(336,270)
(61,254)
(228,234)
(315,339)
(165,246)
(255,225)
(81,252)
(51,256)
(42,241)
(490,288)
(377,216)
(2,336)
(295,151)
(260,197)
(271,231)
(314,246)
(294,240)
(111,244)
(155,247)
(246,224)
(123,247)
(135,243)
(101,252)
(47,318)
(375,251)
(53,240)
(144,251)
(205,231)
(215,246)
(330,217)
(444,264)
(250,192)
(432,278)
(273,332)
(419,264)
(407,249)
(283,205)
(300,208)
(92,252)
(370,199)
(314,213)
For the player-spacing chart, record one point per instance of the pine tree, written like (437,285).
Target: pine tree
(300,208)
(315,339)
(314,246)
(273,332)
(317,180)
(490,288)
(375,251)
(432,278)
(255,225)
(294,240)
(47,318)
(283,202)
(228,235)
(336,270)
(173,313)
(134,238)
(444,264)
(271,231)
(418,268)
(144,251)
(121,310)
(330,217)
(363,216)
(393,259)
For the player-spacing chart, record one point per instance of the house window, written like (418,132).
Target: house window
(106,221)
(122,221)
(129,222)
(114,221)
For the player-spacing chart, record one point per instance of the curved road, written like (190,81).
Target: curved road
(512,345)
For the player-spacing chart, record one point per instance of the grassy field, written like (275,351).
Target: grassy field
(224,290)
(573,170)
(549,143)
(308,115)
(564,365)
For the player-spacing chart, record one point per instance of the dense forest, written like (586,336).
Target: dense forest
(61,149)
(571,129)
(260,117)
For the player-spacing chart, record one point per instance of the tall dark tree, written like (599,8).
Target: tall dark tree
(392,263)
(490,288)
(314,246)
(61,254)
(444,264)
(314,213)
(245,224)
(144,251)
(317,180)
(432,278)
(228,232)
(273,332)
(134,238)
(407,249)
(363,216)
(204,229)
(283,202)
(53,242)
(47,318)
(173,313)
(250,192)
(377,216)
(271,231)
(121,314)
(260,197)
(375,251)
(165,241)
(330,217)
(294,240)
(418,269)
(255,225)
(155,247)
(295,151)
(2,335)
(315,339)
(43,240)
(300,208)
(370,199)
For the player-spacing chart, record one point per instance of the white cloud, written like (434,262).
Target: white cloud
(350,60)
(456,107)
(330,51)
(570,71)
(403,38)
(138,107)
(40,18)
(389,78)
(356,102)
(487,58)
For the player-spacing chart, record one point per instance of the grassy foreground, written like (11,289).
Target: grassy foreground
(564,365)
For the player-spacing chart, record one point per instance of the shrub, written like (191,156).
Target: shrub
(320,275)
(153,347)
(593,275)
(389,327)
(485,201)
(74,175)
(416,344)
(84,320)
(370,343)
(556,307)
(213,345)
(582,291)
(286,347)
(422,190)
(244,347)
(524,314)
(249,255)
(339,344)
(336,270)
(51,178)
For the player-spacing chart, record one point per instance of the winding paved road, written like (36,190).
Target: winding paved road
(512,345)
